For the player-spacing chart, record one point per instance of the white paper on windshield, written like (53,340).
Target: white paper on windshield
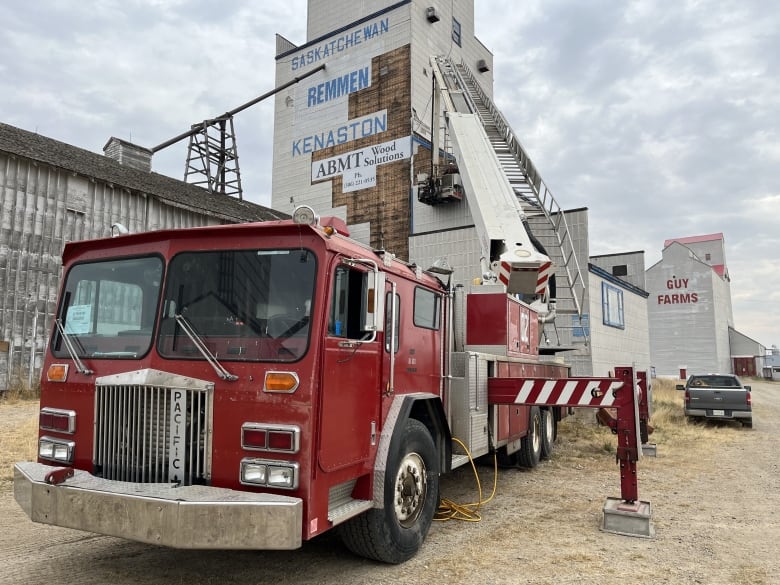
(78,321)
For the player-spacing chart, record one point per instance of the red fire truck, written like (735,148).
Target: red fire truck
(253,386)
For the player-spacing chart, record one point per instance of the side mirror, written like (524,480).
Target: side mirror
(680,387)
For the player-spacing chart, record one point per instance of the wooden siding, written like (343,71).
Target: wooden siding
(42,208)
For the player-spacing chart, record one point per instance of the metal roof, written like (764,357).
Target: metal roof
(695,239)
(23,143)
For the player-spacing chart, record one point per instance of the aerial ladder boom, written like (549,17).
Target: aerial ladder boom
(497,214)
(507,247)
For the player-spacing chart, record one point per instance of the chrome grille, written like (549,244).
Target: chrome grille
(152,434)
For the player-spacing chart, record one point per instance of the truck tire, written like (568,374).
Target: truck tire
(549,430)
(531,445)
(395,533)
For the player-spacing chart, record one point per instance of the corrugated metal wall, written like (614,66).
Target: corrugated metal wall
(41,208)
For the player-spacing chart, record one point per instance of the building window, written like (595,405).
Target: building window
(612,306)
(456,32)
(707,256)
(580,327)
(620,270)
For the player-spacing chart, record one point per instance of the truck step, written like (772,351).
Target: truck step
(348,510)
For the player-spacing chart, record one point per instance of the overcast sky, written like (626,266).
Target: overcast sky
(663,118)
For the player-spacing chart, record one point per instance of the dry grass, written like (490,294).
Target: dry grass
(667,411)
(19,423)
(20,391)
(19,438)
(586,445)
(687,441)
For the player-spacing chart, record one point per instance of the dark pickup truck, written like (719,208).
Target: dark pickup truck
(717,396)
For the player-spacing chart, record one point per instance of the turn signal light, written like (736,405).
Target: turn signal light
(285,382)
(57,373)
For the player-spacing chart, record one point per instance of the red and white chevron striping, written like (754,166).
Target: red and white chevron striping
(568,392)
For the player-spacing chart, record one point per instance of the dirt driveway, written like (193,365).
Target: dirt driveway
(716,513)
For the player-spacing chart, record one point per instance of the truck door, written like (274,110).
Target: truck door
(351,377)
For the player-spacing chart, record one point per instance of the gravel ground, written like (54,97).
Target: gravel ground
(715,514)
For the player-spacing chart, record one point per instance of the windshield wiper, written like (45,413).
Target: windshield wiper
(198,341)
(66,338)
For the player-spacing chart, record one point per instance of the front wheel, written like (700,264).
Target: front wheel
(395,533)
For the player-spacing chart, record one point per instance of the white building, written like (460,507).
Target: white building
(690,307)
(772,363)
(618,312)
(748,356)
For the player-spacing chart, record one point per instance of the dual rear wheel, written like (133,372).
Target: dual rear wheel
(537,444)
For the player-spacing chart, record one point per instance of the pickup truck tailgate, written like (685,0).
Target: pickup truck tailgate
(718,398)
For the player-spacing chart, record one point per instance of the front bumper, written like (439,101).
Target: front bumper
(193,517)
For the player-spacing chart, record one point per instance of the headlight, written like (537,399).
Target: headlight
(46,449)
(57,450)
(253,473)
(282,476)
(269,473)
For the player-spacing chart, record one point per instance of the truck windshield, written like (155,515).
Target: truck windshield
(243,304)
(108,308)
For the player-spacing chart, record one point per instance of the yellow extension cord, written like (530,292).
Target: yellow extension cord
(449,510)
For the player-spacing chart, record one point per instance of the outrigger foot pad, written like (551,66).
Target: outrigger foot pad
(628,518)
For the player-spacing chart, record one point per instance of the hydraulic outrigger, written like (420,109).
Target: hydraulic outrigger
(627,394)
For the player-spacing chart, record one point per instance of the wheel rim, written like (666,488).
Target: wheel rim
(537,438)
(548,426)
(410,489)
